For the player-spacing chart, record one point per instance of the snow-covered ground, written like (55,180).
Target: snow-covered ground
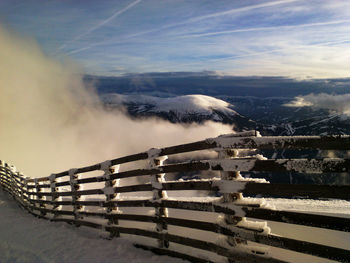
(27,239)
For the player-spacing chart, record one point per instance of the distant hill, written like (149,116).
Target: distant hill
(246,102)
(270,115)
(181,109)
(212,84)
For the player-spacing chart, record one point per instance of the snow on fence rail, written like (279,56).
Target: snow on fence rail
(76,197)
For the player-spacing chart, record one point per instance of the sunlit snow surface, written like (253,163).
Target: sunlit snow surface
(24,238)
(27,239)
(334,207)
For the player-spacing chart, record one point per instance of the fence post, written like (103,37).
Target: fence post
(20,188)
(231,197)
(110,193)
(158,196)
(1,173)
(12,183)
(54,195)
(24,192)
(39,197)
(12,170)
(74,187)
(8,178)
(238,197)
(29,198)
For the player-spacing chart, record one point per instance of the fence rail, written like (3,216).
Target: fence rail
(97,200)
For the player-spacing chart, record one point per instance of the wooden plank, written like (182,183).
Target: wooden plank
(272,240)
(322,221)
(241,164)
(266,189)
(42,179)
(289,217)
(332,142)
(234,142)
(298,190)
(247,188)
(299,218)
(40,186)
(246,165)
(8,171)
(318,250)
(70,193)
(254,236)
(208,246)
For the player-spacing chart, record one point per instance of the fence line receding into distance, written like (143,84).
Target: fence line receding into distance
(223,206)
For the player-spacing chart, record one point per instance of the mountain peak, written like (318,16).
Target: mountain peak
(187,104)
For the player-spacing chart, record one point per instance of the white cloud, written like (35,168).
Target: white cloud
(269,28)
(50,122)
(102,23)
(338,103)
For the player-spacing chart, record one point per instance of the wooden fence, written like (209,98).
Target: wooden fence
(101,196)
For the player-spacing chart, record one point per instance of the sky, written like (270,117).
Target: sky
(294,38)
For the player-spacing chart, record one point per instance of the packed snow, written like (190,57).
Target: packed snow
(27,239)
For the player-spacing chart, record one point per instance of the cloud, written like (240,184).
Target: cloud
(327,23)
(186,22)
(235,11)
(286,38)
(51,121)
(338,103)
(102,23)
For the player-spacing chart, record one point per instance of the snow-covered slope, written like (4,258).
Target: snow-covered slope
(187,104)
(187,108)
(27,239)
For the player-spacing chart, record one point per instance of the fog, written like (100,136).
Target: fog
(338,103)
(50,121)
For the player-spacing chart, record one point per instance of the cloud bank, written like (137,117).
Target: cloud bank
(50,121)
(338,103)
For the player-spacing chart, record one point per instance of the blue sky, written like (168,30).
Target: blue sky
(294,38)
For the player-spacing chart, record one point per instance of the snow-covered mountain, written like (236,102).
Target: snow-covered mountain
(270,116)
(274,117)
(186,109)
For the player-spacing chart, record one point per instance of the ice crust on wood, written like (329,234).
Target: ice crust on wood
(108,190)
(105,165)
(153,153)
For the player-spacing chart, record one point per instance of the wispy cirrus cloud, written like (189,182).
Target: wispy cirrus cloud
(189,21)
(102,23)
(268,37)
(269,28)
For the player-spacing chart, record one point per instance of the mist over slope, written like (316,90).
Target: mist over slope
(51,120)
